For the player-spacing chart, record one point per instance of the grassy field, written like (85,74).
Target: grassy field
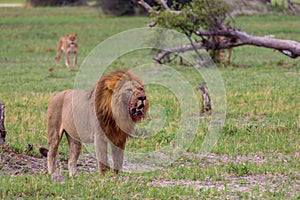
(12,1)
(256,156)
(281,2)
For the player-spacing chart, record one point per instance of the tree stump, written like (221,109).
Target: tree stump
(2,127)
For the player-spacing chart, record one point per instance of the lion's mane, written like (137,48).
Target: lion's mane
(111,105)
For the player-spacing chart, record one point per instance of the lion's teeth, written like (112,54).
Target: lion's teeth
(140,104)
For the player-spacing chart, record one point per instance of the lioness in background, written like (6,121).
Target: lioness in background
(67,44)
(218,55)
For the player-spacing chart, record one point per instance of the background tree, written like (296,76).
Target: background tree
(117,7)
(56,2)
(201,20)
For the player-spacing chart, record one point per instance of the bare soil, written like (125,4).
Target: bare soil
(11,5)
(14,164)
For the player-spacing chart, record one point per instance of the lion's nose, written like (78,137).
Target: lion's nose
(141,106)
(142,97)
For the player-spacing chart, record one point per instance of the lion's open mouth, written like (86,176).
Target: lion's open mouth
(138,112)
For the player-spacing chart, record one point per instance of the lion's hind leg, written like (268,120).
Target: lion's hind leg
(75,149)
(54,139)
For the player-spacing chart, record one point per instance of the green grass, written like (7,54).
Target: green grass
(12,1)
(262,94)
(280,2)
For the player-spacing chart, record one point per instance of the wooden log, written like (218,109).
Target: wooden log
(2,127)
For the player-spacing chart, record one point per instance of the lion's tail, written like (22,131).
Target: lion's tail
(43,151)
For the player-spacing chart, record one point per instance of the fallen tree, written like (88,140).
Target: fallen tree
(206,19)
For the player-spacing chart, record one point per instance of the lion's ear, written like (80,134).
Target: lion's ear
(75,34)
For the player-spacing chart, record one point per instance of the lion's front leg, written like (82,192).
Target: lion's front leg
(58,54)
(101,154)
(68,59)
(75,59)
(117,156)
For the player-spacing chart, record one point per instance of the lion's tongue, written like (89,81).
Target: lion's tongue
(140,112)
(136,112)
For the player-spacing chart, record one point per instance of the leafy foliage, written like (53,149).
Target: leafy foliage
(198,14)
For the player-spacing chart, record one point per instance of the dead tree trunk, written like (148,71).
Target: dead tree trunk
(2,127)
(205,97)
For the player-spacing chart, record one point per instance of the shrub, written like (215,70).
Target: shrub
(44,3)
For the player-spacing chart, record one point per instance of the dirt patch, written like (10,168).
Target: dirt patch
(258,158)
(6,5)
(253,184)
(14,164)
(281,183)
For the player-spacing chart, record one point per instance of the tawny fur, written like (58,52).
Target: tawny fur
(105,114)
(67,44)
(220,53)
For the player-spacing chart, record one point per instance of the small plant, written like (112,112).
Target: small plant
(238,169)
(230,130)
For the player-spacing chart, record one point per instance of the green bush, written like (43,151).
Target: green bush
(118,7)
(43,3)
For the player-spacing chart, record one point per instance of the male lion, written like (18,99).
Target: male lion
(68,44)
(105,114)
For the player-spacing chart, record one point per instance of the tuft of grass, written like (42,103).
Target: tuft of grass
(239,169)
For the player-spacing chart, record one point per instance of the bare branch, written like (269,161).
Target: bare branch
(165,5)
(287,47)
(152,24)
(237,38)
(150,9)
(181,49)
(145,5)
